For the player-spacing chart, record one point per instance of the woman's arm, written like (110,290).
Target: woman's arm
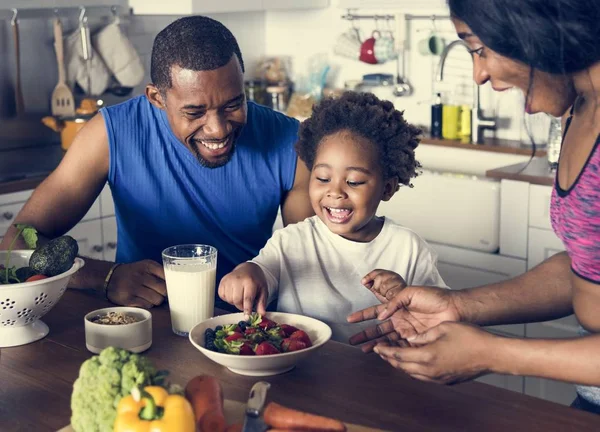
(543,293)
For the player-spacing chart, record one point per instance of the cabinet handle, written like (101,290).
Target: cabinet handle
(111,245)
(8,215)
(97,248)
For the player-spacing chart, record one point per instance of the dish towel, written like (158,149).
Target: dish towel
(119,55)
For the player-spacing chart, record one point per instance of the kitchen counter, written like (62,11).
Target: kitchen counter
(534,172)
(490,145)
(23,167)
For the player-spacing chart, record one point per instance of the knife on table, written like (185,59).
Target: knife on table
(258,395)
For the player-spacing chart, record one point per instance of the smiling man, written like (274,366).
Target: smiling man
(189,162)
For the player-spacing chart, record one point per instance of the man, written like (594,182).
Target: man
(191,162)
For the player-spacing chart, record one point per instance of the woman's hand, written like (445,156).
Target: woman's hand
(412,311)
(245,286)
(449,353)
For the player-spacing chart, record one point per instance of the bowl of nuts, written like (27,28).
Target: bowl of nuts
(123,327)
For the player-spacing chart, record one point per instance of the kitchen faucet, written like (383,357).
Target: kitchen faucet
(478,121)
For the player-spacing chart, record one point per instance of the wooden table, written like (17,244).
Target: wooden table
(337,380)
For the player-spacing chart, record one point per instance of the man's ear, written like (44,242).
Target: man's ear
(155,96)
(390,188)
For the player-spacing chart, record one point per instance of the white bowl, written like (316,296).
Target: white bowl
(274,364)
(23,304)
(135,337)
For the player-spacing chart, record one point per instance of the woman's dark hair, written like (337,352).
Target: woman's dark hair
(366,116)
(198,43)
(554,36)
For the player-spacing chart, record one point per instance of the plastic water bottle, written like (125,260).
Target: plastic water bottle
(554,142)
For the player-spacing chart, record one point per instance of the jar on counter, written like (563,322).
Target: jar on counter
(256,91)
(278,96)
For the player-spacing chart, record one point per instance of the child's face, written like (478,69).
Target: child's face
(346,186)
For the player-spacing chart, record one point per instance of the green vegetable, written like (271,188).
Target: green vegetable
(103,380)
(55,257)
(29,234)
(25,273)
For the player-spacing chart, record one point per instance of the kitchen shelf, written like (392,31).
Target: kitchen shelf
(490,145)
(187,7)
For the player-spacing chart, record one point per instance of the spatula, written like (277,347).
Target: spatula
(63,103)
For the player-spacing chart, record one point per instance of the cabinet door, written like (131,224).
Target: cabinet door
(508,382)
(107,205)
(551,390)
(462,268)
(542,245)
(109,235)
(89,238)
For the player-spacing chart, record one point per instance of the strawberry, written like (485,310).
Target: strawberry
(266,324)
(246,349)
(234,336)
(289,345)
(265,348)
(250,330)
(288,329)
(301,335)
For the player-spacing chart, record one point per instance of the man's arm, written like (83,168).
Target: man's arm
(63,198)
(296,204)
(541,294)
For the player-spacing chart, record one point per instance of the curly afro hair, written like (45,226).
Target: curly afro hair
(371,118)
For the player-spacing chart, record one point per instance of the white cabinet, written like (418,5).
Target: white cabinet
(188,7)
(462,268)
(508,382)
(107,205)
(555,391)
(109,236)
(89,238)
(393,4)
(541,246)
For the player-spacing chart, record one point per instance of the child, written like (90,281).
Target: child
(359,149)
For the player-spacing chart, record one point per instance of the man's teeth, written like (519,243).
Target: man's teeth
(214,146)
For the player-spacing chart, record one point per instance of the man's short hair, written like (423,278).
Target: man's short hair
(197,43)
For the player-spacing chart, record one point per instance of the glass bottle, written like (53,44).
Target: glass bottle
(554,142)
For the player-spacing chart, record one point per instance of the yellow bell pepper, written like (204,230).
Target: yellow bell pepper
(153,409)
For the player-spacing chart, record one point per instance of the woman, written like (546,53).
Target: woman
(551,51)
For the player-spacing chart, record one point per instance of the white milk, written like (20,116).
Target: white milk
(191,294)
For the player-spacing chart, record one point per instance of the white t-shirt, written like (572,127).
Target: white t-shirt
(317,273)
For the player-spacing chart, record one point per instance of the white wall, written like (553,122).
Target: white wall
(301,34)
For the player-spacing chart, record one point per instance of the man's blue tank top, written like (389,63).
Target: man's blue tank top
(164,197)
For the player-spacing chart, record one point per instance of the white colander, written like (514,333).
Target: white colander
(22,305)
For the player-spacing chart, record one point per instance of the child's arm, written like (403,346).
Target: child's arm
(254,282)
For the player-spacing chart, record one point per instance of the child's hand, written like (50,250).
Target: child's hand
(384,284)
(245,284)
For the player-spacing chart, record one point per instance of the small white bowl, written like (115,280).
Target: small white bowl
(274,364)
(135,337)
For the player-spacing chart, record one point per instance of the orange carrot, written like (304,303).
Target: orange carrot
(281,417)
(206,396)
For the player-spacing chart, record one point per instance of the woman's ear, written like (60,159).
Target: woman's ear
(390,188)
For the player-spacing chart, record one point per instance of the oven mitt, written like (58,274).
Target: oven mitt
(77,70)
(119,55)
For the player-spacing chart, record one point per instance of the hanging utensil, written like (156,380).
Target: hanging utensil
(402,87)
(63,103)
(19,102)
(86,45)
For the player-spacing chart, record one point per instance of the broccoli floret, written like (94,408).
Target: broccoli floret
(103,380)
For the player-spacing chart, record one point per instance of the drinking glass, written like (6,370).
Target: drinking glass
(190,274)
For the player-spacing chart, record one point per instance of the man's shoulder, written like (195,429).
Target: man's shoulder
(267,121)
(131,107)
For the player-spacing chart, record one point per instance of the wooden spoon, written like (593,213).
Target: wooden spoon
(63,103)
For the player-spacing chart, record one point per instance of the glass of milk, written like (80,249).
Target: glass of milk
(190,273)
